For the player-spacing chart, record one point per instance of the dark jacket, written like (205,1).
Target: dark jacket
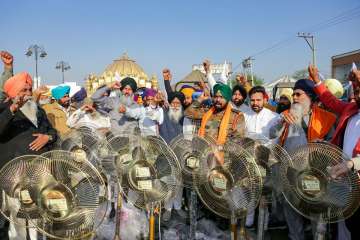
(16,133)
(169,129)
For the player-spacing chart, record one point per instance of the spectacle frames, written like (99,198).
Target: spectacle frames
(297,94)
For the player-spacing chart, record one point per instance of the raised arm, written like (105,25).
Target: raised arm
(8,60)
(167,79)
(329,100)
(209,77)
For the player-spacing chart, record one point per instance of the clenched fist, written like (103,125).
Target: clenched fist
(6,58)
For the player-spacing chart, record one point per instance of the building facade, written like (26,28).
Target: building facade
(341,64)
(118,70)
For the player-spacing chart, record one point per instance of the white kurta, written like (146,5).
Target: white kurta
(260,123)
(81,118)
(149,119)
(243,108)
(352,134)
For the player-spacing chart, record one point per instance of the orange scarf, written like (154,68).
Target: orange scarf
(320,123)
(223,125)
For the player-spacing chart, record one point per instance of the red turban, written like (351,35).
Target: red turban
(15,84)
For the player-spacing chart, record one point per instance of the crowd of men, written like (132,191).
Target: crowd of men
(31,121)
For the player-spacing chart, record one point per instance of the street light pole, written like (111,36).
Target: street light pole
(63,66)
(38,52)
(308,36)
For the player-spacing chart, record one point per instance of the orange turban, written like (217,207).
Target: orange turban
(15,84)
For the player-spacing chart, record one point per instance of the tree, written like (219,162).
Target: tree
(258,81)
(300,74)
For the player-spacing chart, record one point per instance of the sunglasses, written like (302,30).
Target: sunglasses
(297,94)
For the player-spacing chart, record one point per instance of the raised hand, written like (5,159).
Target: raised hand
(122,109)
(313,74)
(6,58)
(241,79)
(88,108)
(167,74)
(354,77)
(206,64)
(115,85)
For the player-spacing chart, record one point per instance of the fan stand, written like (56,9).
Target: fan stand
(319,233)
(27,229)
(233,226)
(261,219)
(193,214)
(152,224)
(118,216)
(243,235)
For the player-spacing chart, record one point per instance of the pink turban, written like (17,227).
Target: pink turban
(15,84)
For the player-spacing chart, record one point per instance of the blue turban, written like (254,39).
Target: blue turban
(307,86)
(60,91)
(79,95)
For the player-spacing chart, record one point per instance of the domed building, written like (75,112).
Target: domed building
(116,71)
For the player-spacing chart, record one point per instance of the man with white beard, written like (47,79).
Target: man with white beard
(174,124)
(304,122)
(24,130)
(108,101)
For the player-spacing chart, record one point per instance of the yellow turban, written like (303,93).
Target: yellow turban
(187,91)
(287,92)
(335,87)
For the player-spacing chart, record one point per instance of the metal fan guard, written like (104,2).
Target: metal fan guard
(309,188)
(231,189)
(152,155)
(190,149)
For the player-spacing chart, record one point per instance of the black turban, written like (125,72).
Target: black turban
(241,89)
(178,95)
(128,81)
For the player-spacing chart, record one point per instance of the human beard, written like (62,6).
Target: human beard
(306,106)
(282,107)
(126,100)
(297,110)
(29,109)
(175,114)
(238,103)
(257,108)
(44,101)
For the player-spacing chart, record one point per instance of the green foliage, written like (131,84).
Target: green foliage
(258,81)
(300,74)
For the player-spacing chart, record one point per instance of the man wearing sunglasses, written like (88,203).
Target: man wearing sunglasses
(304,122)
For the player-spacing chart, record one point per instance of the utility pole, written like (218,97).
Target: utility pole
(311,43)
(247,65)
(63,66)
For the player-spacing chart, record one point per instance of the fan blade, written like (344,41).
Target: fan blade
(133,196)
(162,166)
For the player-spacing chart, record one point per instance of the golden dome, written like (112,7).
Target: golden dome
(124,66)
